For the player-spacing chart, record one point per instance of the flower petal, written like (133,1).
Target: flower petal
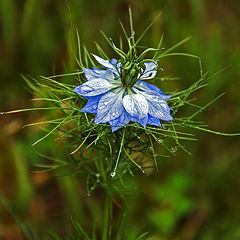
(110,107)
(91,74)
(149,70)
(93,88)
(121,121)
(153,121)
(114,61)
(143,121)
(157,106)
(136,105)
(105,63)
(149,87)
(92,104)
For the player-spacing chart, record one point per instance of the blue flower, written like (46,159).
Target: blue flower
(118,94)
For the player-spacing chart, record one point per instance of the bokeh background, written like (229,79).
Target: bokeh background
(191,197)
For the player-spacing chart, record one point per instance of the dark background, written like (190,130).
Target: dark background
(191,197)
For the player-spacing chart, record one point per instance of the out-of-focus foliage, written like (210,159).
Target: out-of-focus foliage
(191,197)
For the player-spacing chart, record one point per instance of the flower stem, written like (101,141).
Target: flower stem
(106,217)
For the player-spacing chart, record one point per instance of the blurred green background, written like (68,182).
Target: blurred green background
(191,197)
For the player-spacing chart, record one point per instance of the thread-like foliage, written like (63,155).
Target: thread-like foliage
(108,159)
(94,150)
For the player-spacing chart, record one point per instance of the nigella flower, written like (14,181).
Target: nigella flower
(118,94)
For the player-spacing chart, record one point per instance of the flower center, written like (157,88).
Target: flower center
(129,73)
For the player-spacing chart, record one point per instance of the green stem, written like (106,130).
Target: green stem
(106,217)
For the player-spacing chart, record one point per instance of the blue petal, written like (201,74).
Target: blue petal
(143,121)
(157,106)
(117,65)
(121,121)
(108,65)
(150,70)
(153,121)
(136,105)
(114,61)
(93,88)
(94,73)
(151,87)
(104,62)
(92,104)
(110,107)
